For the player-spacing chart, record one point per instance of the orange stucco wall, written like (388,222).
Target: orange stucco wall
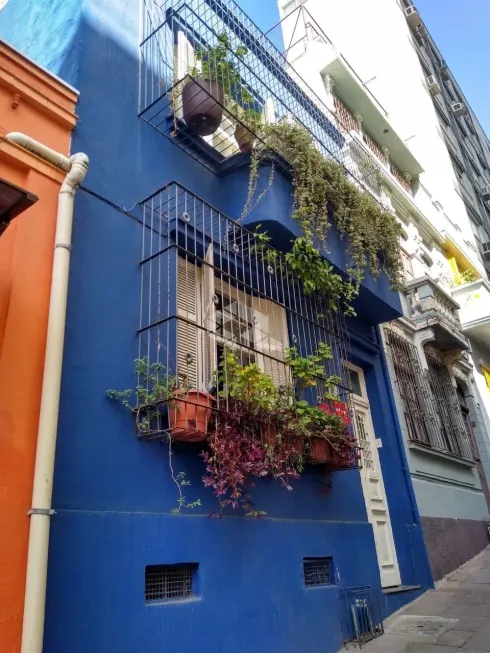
(33,102)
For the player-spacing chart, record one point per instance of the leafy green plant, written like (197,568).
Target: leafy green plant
(218,63)
(246,384)
(324,195)
(156,386)
(308,370)
(317,275)
(465,276)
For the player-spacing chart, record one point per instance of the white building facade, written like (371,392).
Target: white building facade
(382,77)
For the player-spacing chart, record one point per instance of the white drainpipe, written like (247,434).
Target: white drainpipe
(40,513)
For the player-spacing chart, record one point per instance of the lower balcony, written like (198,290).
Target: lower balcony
(433,308)
(474,301)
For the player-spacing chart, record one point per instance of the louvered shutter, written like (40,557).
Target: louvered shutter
(188,335)
(271,338)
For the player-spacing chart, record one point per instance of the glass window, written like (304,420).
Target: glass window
(355,382)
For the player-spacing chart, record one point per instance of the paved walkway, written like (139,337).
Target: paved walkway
(453,617)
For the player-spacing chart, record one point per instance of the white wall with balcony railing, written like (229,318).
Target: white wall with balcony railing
(380,49)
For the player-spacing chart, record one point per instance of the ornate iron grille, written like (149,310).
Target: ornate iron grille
(428,398)
(258,86)
(453,429)
(360,614)
(317,571)
(209,285)
(169,582)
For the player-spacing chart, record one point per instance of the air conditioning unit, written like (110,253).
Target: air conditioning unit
(486,250)
(459,110)
(433,84)
(444,70)
(413,17)
(485,193)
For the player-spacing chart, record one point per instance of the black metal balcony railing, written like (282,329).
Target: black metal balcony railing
(209,76)
(210,286)
(431,407)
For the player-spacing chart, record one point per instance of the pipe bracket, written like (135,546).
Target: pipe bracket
(64,245)
(41,511)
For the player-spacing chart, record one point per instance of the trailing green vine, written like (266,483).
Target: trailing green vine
(324,195)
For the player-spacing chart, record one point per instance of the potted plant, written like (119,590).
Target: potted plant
(213,78)
(157,392)
(324,426)
(246,129)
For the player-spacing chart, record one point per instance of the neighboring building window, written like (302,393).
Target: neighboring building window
(407,265)
(486,374)
(431,407)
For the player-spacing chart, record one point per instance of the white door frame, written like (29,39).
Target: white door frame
(373,485)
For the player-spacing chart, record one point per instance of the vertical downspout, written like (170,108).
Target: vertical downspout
(40,513)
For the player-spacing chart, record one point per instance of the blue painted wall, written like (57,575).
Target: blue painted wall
(112,493)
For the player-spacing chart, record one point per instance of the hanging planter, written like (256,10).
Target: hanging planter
(202,104)
(189,413)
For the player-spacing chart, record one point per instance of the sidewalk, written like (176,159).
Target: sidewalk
(453,617)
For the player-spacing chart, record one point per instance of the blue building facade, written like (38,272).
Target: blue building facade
(113,493)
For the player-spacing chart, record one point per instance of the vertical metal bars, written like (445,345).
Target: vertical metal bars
(208,285)
(431,407)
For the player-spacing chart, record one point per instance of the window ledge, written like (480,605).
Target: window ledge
(441,454)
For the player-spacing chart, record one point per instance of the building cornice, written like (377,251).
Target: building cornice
(33,85)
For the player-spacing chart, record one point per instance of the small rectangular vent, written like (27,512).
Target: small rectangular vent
(317,571)
(169,582)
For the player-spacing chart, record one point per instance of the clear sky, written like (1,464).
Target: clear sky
(461,29)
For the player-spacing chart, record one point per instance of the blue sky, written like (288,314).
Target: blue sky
(460,29)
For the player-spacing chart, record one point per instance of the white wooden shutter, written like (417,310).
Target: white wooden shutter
(188,333)
(271,338)
(209,319)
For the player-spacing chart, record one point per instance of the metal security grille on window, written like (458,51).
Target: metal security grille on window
(168,582)
(317,572)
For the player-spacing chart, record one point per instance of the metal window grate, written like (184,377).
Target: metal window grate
(169,582)
(317,571)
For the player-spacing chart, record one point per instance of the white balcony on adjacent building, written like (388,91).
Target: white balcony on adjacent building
(474,301)
(433,308)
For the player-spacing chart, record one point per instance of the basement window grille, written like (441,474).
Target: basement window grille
(317,571)
(169,582)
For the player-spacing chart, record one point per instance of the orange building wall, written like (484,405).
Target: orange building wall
(33,102)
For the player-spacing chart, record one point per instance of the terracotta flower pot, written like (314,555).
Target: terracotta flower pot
(319,450)
(269,433)
(202,103)
(189,414)
(244,138)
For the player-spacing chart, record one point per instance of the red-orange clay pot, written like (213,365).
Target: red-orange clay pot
(189,414)
(319,450)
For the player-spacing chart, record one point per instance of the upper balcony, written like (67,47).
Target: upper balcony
(474,301)
(432,307)
(209,77)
